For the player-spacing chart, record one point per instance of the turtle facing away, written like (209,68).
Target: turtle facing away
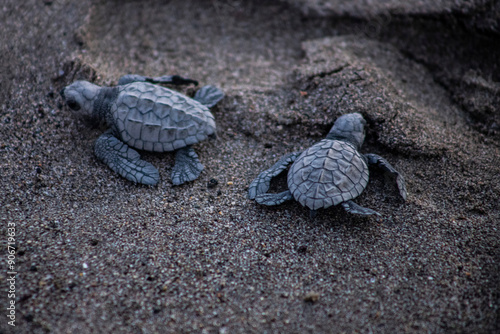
(143,115)
(328,173)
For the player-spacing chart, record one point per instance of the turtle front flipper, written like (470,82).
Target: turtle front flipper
(124,160)
(274,199)
(166,79)
(352,207)
(209,95)
(187,166)
(374,159)
(262,182)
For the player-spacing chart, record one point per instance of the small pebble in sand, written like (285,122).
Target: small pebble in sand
(311,297)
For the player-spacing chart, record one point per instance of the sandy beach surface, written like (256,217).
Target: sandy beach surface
(95,253)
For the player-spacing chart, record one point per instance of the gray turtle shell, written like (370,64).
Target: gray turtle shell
(328,173)
(154,118)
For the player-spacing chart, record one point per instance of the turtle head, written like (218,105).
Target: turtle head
(80,97)
(350,128)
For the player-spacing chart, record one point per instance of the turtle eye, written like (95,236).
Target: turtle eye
(73,105)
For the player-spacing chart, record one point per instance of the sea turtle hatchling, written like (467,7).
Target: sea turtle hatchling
(328,173)
(143,115)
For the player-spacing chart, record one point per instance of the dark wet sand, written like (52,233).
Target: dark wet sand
(98,254)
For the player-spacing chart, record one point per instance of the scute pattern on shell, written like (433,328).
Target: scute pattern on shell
(328,173)
(155,118)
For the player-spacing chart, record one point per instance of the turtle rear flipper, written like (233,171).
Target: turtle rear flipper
(262,182)
(124,160)
(274,199)
(352,207)
(374,159)
(187,166)
(209,95)
(166,79)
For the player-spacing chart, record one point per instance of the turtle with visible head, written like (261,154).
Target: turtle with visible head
(328,173)
(143,115)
